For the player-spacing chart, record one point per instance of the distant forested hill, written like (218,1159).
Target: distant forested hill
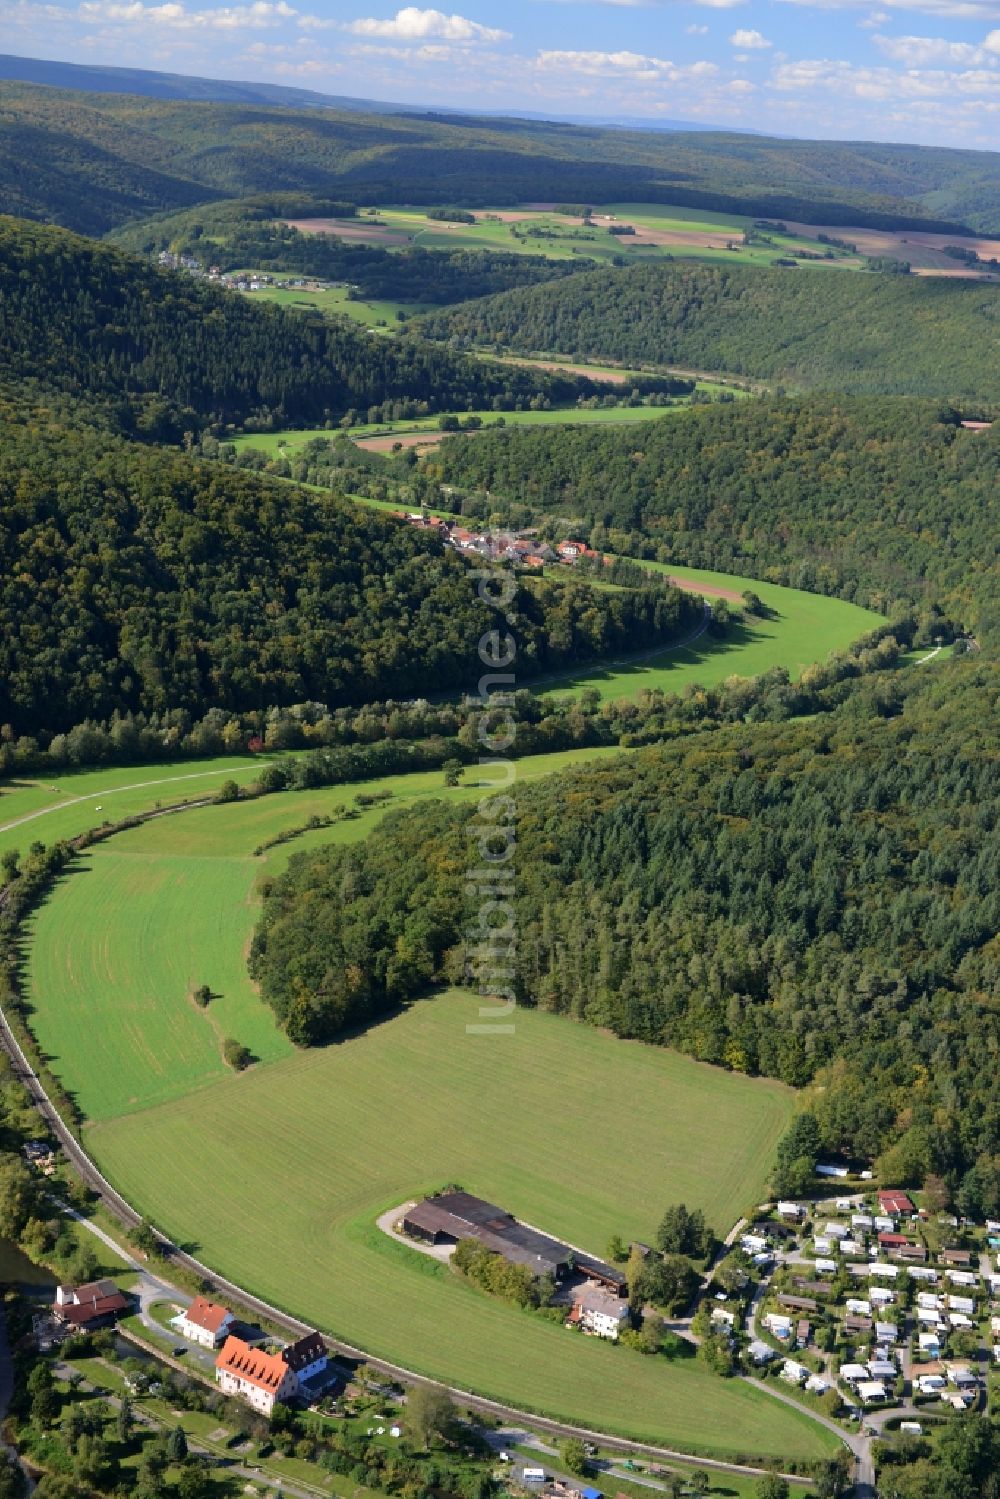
(92,161)
(863,333)
(887,501)
(135,579)
(166,353)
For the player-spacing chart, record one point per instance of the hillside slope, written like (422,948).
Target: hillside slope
(888,502)
(166,353)
(862,333)
(134,579)
(97,160)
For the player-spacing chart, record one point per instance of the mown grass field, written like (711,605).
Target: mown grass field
(276,1178)
(62,806)
(146,918)
(802,628)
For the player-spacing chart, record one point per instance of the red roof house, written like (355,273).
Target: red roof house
(205,1322)
(259,1378)
(895,1203)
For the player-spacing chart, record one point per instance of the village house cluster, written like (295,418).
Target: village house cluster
(250,1372)
(880,1301)
(521,547)
(245,281)
(299,1371)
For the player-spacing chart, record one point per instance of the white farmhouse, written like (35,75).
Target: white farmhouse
(603,1314)
(205,1322)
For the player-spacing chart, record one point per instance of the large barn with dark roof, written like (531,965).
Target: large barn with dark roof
(454,1216)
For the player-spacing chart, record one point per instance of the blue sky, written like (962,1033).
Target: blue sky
(911,70)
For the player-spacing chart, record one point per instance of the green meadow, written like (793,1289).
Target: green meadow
(288,442)
(336,301)
(128,1032)
(800,629)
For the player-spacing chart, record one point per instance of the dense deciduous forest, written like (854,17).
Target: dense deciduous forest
(135,578)
(889,502)
(863,333)
(167,353)
(93,161)
(814,901)
(233,235)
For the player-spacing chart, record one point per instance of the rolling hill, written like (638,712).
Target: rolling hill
(869,334)
(93,161)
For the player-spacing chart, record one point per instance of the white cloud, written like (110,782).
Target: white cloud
(950,10)
(920,51)
(874,21)
(695,30)
(176,17)
(632,65)
(752,41)
(414,25)
(882,84)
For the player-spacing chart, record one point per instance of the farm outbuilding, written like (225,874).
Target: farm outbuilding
(454,1216)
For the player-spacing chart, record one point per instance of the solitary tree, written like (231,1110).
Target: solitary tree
(177,1447)
(452,772)
(429,1413)
(123,1424)
(574,1455)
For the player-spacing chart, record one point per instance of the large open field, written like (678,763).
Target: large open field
(661,230)
(128,1033)
(801,628)
(277,1177)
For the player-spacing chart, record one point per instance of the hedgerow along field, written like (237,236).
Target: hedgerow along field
(802,628)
